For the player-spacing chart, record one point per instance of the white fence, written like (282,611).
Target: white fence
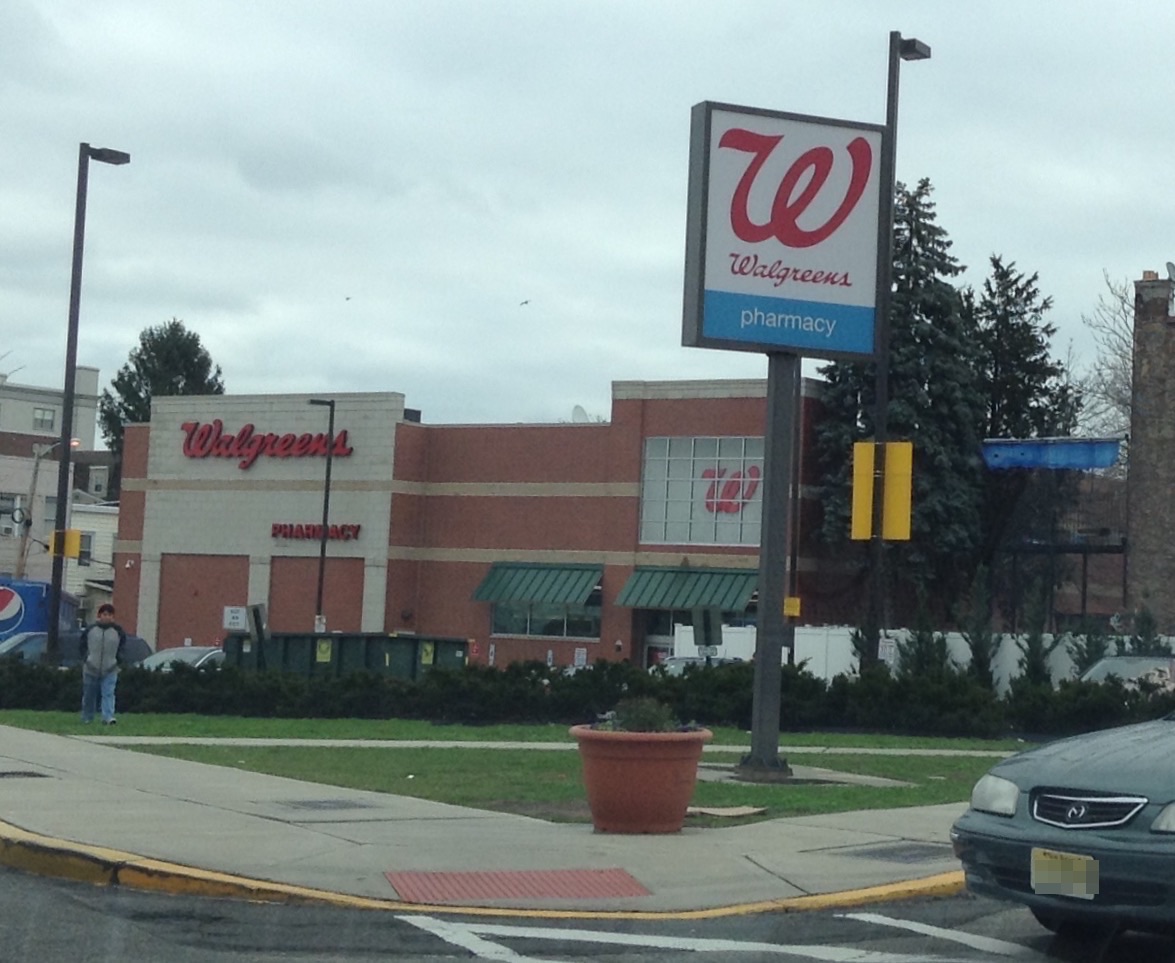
(828,651)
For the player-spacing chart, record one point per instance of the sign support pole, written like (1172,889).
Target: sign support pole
(773,630)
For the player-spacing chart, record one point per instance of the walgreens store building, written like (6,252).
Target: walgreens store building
(563,542)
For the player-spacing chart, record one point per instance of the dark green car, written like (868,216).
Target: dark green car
(1081,831)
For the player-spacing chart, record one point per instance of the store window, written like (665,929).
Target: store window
(664,621)
(549,619)
(44,419)
(702,491)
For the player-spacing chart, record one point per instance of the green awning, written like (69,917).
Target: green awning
(522,582)
(688,588)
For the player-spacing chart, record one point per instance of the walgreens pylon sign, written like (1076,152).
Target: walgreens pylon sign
(782,232)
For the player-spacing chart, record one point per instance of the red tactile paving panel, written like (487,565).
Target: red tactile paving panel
(515,885)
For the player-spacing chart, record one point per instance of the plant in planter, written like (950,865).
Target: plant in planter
(639,767)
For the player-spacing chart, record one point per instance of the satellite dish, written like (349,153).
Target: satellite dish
(578,415)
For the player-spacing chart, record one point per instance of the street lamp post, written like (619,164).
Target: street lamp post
(319,618)
(104,155)
(900,49)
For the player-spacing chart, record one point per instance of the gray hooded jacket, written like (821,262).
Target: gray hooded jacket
(101,648)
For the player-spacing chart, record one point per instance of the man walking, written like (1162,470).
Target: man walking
(102,646)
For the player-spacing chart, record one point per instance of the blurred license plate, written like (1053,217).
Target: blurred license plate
(1064,874)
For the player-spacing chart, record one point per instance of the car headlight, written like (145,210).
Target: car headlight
(995,795)
(1165,821)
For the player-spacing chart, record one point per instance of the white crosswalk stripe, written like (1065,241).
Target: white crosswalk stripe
(470,936)
(987,944)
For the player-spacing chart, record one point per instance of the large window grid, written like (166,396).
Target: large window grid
(550,619)
(702,491)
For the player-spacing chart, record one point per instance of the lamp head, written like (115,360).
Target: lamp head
(108,155)
(914,49)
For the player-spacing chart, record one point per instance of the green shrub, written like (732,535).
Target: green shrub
(24,686)
(1087,646)
(639,714)
(717,694)
(1145,640)
(805,701)
(934,703)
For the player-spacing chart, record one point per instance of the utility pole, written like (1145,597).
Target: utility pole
(39,452)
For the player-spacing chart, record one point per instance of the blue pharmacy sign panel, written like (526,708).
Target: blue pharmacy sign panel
(781,233)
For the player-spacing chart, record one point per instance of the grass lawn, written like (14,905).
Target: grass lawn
(546,785)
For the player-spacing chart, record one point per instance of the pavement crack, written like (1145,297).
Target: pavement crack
(770,872)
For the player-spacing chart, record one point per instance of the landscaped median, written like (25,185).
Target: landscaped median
(496,773)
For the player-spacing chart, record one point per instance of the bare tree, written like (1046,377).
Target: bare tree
(1106,387)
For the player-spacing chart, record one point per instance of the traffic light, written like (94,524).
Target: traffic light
(897,490)
(69,540)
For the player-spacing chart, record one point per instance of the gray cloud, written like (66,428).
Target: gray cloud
(358,196)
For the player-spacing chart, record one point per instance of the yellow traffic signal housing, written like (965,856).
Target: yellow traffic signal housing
(70,546)
(861,527)
(897,490)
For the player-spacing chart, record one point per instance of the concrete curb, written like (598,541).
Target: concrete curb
(64,859)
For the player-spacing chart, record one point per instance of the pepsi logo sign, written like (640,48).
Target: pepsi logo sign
(11,610)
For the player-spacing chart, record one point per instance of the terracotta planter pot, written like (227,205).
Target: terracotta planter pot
(639,782)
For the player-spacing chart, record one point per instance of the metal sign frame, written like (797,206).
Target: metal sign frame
(782,232)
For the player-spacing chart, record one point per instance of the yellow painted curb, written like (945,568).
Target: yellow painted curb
(47,856)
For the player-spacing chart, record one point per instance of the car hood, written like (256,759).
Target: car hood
(1134,759)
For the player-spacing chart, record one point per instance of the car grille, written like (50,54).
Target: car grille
(1078,810)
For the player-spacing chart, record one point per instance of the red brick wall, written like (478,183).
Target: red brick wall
(293,589)
(520,453)
(532,523)
(412,441)
(131,508)
(193,591)
(126,593)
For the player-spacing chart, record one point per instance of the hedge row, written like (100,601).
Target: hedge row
(952,705)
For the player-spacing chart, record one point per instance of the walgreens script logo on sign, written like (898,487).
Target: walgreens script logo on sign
(790,236)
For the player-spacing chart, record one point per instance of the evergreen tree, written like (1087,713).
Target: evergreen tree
(1145,640)
(934,400)
(1035,651)
(1028,394)
(169,360)
(1087,646)
(977,632)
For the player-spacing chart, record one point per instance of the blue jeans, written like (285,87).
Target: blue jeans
(95,687)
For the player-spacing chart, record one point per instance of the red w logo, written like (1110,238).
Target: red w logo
(731,494)
(785,212)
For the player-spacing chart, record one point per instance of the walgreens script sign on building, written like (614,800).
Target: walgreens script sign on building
(781,237)
(245,446)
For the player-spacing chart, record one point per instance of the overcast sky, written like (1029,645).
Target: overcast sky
(482,204)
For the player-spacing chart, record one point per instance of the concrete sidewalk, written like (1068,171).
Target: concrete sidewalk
(76,807)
